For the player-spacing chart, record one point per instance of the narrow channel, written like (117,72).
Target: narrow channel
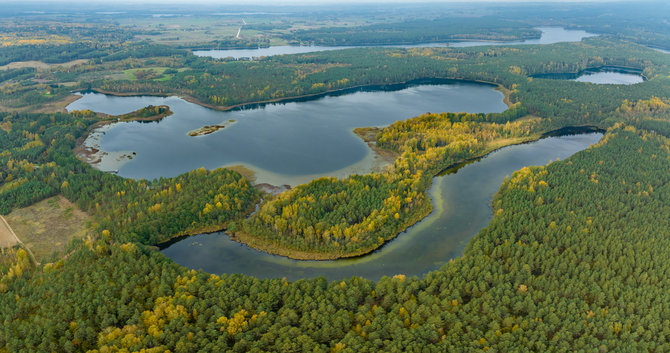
(461,200)
(549,35)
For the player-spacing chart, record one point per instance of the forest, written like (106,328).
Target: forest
(440,30)
(575,258)
(211,81)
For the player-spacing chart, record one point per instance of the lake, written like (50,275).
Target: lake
(610,78)
(295,142)
(283,143)
(550,35)
(461,203)
(601,75)
(660,50)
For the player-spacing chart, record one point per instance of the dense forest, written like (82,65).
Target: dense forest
(572,261)
(440,30)
(575,258)
(225,84)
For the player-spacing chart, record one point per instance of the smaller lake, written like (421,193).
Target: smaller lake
(660,50)
(610,78)
(610,75)
(461,208)
(550,35)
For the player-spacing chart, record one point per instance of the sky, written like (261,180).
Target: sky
(272,3)
(297,2)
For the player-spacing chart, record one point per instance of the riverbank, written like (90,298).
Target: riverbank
(269,247)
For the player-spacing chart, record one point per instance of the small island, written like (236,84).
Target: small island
(210,129)
(206,130)
(146,114)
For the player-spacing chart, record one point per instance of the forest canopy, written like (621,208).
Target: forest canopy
(575,258)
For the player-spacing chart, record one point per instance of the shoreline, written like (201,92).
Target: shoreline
(602,68)
(385,155)
(383,45)
(93,155)
(270,248)
(266,246)
(369,136)
(194,100)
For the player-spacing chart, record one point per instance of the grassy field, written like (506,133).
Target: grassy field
(7,237)
(48,226)
(185,30)
(155,73)
(40,65)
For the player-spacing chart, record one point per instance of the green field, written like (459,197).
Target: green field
(48,226)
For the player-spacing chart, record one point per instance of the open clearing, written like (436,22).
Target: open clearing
(7,237)
(40,65)
(49,225)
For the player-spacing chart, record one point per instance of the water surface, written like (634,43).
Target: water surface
(550,35)
(611,75)
(660,50)
(610,78)
(461,209)
(284,143)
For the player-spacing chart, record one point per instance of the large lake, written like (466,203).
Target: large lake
(461,209)
(283,143)
(550,35)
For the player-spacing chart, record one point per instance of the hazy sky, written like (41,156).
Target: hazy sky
(242,3)
(301,2)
